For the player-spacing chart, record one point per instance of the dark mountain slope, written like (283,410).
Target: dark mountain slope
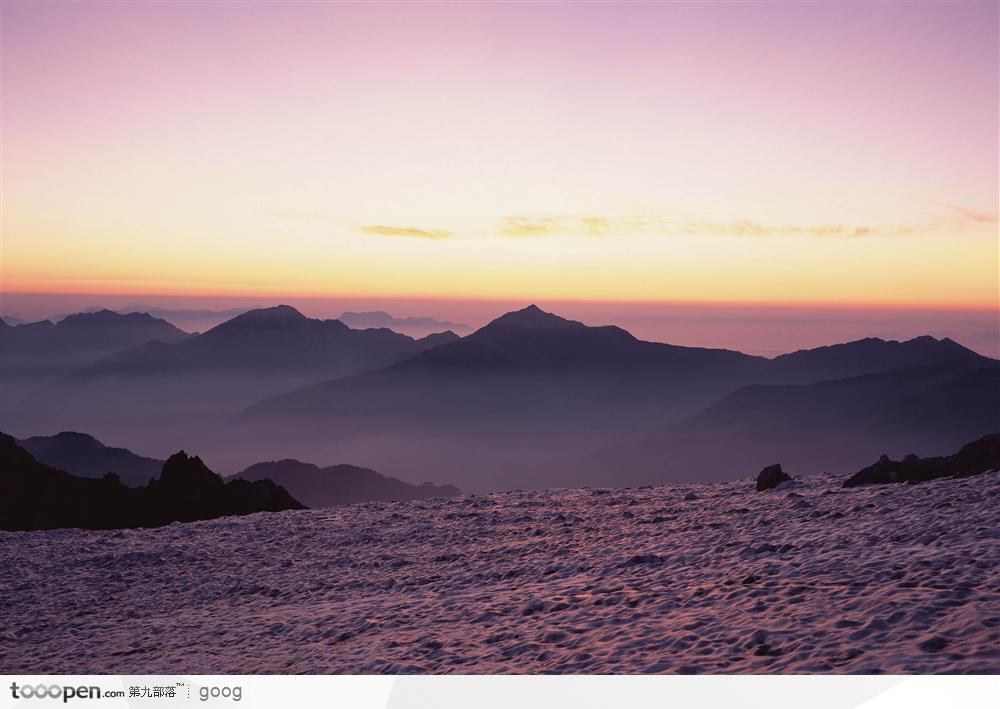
(341,484)
(156,390)
(37,496)
(271,341)
(44,350)
(85,456)
(872,355)
(979,456)
(833,425)
(522,388)
(531,388)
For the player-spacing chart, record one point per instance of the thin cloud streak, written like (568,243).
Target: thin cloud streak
(516,226)
(406,231)
(544,225)
(971,215)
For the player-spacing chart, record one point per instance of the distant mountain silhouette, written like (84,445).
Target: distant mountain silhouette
(190,319)
(45,350)
(158,389)
(874,355)
(409,325)
(518,362)
(832,425)
(506,405)
(85,456)
(532,386)
(341,484)
(36,496)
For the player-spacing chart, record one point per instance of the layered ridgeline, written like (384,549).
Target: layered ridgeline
(523,400)
(84,456)
(37,496)
(341,484)
(33,354)
(836,425)
(416,326)
(159,389)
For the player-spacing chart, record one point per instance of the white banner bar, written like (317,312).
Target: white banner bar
(503,692)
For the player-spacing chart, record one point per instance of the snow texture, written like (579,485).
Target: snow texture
(711,578)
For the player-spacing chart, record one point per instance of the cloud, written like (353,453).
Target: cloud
(651,224)
(407,231)
(532,226)
(545,225)
(984,217)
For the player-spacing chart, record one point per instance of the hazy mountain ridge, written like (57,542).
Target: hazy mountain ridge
(509,404)
(835,425)
(46,350)
(157,390)
(341,484)
(548,387)
(409,325)
(84,456)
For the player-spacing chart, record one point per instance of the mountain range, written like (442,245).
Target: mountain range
(84,456)
(37,496)
(159,388)
(834,425)
(523,400)
(341,484)
(45,350)
(420,325)
(529,400)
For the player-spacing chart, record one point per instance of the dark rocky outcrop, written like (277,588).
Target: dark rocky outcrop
(974,458)
(36,496)
(770,477)
(187,490)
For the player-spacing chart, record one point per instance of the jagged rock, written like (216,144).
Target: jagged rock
(770,477)
(977,457)
(36,496)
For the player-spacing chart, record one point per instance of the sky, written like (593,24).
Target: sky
(750,155)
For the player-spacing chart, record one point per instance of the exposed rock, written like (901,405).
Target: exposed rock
(974,458)
(36,496)
(770,477)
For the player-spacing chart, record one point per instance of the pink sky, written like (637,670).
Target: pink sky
(821,154)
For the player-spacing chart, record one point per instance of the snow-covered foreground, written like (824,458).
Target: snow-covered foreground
(679,578)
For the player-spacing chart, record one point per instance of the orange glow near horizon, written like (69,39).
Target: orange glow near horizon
(648,153)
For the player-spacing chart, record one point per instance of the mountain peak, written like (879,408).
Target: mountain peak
(276,315)
(102,315)
(75,436)
(535,318)
(283,312)
(106,316)
(180,469)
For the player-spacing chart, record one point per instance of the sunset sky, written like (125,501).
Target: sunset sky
(709,153)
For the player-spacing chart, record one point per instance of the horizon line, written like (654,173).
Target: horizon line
(528,300)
